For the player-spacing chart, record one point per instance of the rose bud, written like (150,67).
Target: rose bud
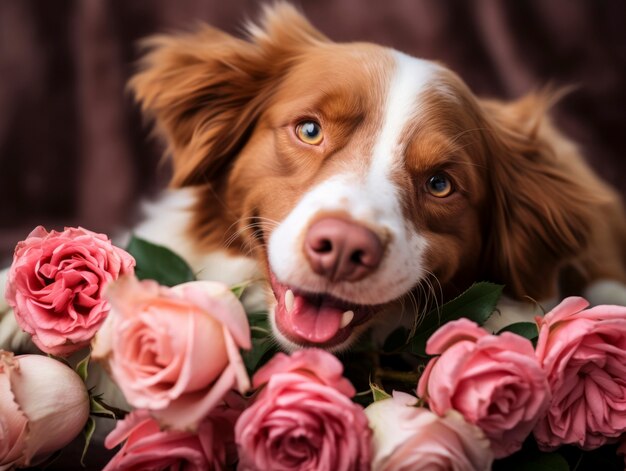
(409,438)
(303,417)
(583,352)
(43,405)
(55,286)
(174,351)
(494,381)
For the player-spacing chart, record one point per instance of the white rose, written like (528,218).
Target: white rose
(43,405)
(413,438)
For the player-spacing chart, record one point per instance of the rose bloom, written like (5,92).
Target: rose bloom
(584,355)
(146,446)
(55,286)
(494,381)
(303,418)
(38,395)
(409,438)
(174,351)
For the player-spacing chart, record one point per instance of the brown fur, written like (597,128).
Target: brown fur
(550,208)
(206,91)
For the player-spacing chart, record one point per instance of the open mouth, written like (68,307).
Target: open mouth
(316,319)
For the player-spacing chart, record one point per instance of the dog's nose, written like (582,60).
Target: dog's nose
(342,250)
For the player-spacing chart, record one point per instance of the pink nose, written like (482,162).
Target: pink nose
(342,250)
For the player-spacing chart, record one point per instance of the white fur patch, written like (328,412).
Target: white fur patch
(373,200)
(410,79)
(166,224)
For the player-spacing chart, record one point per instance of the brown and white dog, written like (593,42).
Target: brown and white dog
(354,178)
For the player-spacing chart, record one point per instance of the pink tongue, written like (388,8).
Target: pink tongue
(315,324)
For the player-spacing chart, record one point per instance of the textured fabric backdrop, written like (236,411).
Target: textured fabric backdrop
(74,150)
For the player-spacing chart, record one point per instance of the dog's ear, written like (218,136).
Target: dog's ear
(206,89)
(542,196)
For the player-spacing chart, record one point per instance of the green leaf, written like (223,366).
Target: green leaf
(155,262)
(83,367)
(99,409)
(259,325)
(525,329)
(379,393)
(239,288)
(259,319)
(262,350)
(90,428)
(263,343)
(476,304)
(259,332)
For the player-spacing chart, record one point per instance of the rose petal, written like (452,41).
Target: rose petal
(459,330)
(217,300)
(314,362)
(55,283)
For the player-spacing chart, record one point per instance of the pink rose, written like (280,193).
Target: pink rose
(38,395)
(494,381)
(584,355)
(174,351)
(146,446)
(55,286)
(303,418)
(409,438)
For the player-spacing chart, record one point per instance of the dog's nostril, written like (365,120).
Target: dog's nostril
(357,257)
(324,246)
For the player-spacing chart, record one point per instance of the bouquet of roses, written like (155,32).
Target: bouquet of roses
(206,388)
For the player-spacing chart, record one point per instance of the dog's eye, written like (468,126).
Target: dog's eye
(439,185)
(310,132)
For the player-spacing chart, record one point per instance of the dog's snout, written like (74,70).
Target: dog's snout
(342,250)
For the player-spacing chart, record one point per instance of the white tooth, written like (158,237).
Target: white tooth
(289,298)
(346,318)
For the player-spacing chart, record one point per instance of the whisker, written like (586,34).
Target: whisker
(258,223)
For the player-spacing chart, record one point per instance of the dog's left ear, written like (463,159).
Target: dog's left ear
(206,89)
(543,197)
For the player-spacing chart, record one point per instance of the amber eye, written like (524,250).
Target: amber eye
(310,132)
(439,185)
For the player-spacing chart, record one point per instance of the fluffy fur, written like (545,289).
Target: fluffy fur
(526,211)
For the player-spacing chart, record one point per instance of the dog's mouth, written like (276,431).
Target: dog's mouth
(316,319)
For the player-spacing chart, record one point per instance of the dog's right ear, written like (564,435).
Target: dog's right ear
(206,89)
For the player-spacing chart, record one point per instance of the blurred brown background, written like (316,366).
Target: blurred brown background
(74,150)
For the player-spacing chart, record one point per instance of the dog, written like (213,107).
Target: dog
(352,178)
